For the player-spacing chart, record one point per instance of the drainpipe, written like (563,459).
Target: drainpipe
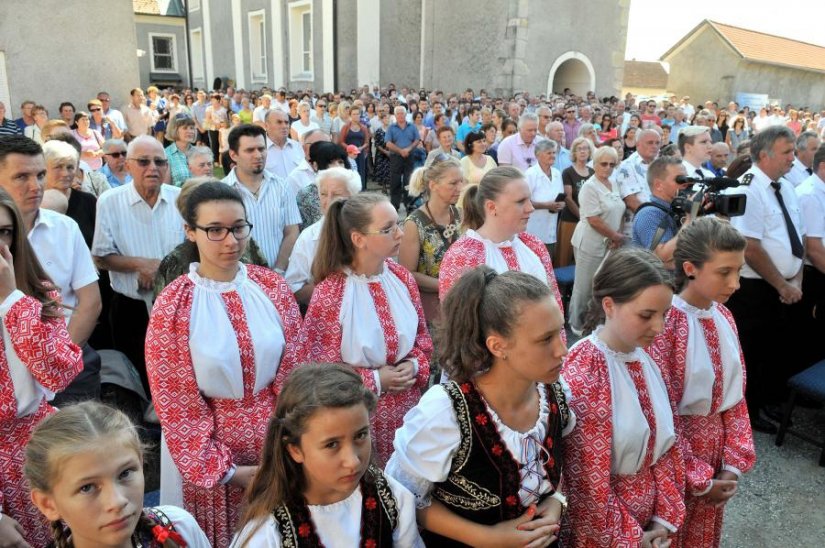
(334,46)
(186,40)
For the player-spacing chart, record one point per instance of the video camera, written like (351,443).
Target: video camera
(705,198)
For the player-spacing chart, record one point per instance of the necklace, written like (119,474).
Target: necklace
(448,231)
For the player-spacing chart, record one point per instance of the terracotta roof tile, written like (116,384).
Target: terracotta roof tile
(767,48)
(644,74)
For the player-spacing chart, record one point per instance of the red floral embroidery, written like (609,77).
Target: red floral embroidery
(554,408)
(498,450)
(549,442)
(511,500)
(465,388)
(304,530)
(370,543)
(481,419)
(370,503)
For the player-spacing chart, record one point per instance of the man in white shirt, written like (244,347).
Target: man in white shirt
(138,224)
(771,280)
(282,153)
(806,146)
(259,114)
(59,246)
(139,118)
(271,206)
(695,146)
(631,175)
(113,114)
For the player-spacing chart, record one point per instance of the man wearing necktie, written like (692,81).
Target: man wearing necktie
(806,146)
(771,281)
(695,146)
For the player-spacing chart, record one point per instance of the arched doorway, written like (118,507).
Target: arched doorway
(572,70)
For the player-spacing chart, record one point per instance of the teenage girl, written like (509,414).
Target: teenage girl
(482,453)
(37,359)
(624,471)
(316,485)
(702,363)
(85,468)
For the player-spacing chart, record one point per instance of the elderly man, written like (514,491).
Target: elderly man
(8,125)
(519,150)
(282,153)
(401,139)
(61,250)
(259,114)
(555,132)
(270,204)
(112,114)
(200,162)
(304,174)
(806,146)
(137,225)
(771,281)
(545,117)
(719,153)
(114,151)
(199,114)
(139,118)
(678,125)
(631,174)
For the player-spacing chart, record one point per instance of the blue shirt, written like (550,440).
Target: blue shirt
(647,222)
(464,129)
(114,182)
(402,138)
(675,129)
(9,127)
(563,160)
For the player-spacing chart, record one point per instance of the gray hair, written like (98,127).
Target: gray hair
(804,137)
(527,117)
(198,151)
(585,128)
(601,152)
(110,144)
(347,176)
(546,144)
(59,150)
(765,139)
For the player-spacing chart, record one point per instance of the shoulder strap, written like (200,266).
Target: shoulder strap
(462,412)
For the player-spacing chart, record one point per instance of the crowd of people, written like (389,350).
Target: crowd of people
(336,366)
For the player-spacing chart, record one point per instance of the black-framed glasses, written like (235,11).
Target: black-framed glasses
(219,233)
(144,162)
(387,231)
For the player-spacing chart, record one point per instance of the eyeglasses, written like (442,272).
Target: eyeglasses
(105,100)
(144,162)
(607,164)
(94,110)
(116,154)
(390,230)
(219,233)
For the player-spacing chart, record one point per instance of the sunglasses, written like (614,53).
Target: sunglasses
(116,154)
(145,162)
(95,110)
(607,164)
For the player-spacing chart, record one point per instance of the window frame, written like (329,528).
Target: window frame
(172,52)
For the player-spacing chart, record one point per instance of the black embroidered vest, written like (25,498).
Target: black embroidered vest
(484,478)
(379,517)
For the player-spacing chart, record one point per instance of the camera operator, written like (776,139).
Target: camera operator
(656,225)
(695,146)
(771,279)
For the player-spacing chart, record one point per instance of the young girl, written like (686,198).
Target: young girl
(482,453)
(37,359)
(220,342)
(316,485)
(624,473)
(366,310)
(702,363)
(85,468)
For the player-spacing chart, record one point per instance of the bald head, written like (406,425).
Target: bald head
(719,153)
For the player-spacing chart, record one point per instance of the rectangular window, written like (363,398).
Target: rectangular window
(5,97)
(300,40)
(196,41)
(163,52)
(257,45)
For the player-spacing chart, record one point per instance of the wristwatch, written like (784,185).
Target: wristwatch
(562,500)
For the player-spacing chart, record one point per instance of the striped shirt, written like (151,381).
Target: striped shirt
(8,127)
(270,213)
(127,226)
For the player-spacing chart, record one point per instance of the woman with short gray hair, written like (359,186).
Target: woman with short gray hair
(61,171)
(546,194)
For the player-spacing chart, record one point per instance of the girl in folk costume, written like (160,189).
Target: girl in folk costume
(85,467)
(221,340)
(316,485)
(495,216)
(482,452)
(37,359)
(366,310)
(624,470)
(702,363)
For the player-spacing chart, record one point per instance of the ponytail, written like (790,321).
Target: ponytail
(472,214)
(490,187)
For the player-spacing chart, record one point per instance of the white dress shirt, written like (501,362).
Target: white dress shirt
(280,161)
(270,212)
(798,173)
(811,195)
(128,226)
(543,222)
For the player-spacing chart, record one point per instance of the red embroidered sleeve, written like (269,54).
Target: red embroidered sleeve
(423,348)
(185,417)
(464,254)
(537,247)
(669,351)
(43,344)
(597,517)
(669,473)
(282,297)
(321,331)
(739,451)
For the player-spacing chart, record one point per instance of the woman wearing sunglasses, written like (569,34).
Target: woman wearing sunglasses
(366,310)
(220,342)
(599,229)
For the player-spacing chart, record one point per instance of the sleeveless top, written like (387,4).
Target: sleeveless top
(484,480)
(434,240)
(379,516)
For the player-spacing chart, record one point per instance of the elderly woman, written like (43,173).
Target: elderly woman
(601,210)
(573,177)
(91,141)
(176,153)
(432,228)
(61,170)
(588,131)
(199,160)
(41,116)
(303,124)
(546,194)
(332,183)
(322,155)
